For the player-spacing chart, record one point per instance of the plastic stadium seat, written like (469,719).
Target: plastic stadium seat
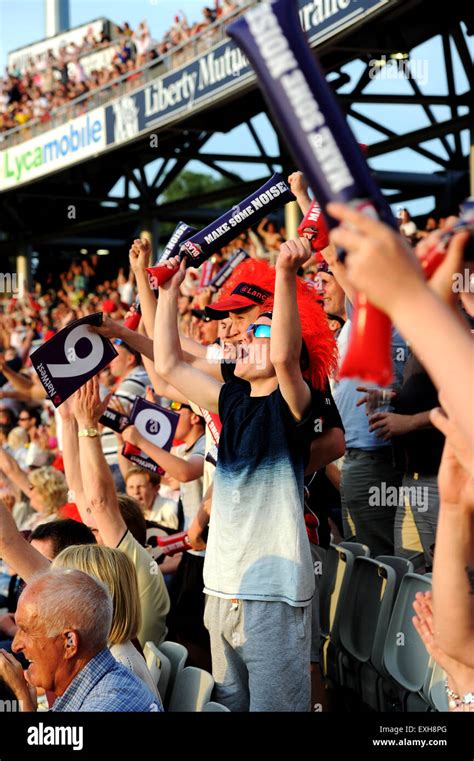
(401,566)
(215,708)
(177,655)
(337,559)
(153,661)
(404,656)
(372,672)
(159,666)
(365,615)
(367,607)
(192,690)
(357,548)
(437,691)
(337,569)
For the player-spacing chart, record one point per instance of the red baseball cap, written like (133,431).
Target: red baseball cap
(243,296)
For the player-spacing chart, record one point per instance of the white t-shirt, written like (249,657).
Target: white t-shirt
(127,294)
(164,511)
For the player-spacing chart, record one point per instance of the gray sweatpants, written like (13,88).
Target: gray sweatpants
(260,654)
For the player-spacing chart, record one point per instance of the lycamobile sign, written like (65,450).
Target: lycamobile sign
(58,148)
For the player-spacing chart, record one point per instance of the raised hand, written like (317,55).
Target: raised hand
(379,262)
(108,329)
(139,255)
(293,254)
(132,436)
(172,285)
(460,676)
(298,184)
(87,405)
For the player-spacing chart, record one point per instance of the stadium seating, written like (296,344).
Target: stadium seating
(177,655)
(436,689)
(365,616)
(405,659)
(335,580)
(159,666)
(192,690)
(373,670)
(212,707)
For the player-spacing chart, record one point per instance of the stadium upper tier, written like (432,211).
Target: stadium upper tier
(48,88)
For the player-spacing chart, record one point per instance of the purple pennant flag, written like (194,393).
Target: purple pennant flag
(181,232)
(71,358)
(273,194)
(114,420)
(157,425)
(306,109)
(226,271)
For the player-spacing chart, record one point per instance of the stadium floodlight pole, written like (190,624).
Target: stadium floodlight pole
(56,16)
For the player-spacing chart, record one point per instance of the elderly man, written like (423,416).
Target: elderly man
(63,620)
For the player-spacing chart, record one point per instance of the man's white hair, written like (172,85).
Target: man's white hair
(71,599)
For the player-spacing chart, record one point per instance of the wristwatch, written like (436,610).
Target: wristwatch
(90,432)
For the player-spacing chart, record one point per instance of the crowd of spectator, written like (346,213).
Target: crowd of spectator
(262,357)
(54,80)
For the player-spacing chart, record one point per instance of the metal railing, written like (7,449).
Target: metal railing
(132,80)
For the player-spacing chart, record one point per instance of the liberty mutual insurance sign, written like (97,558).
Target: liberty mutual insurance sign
(221,71)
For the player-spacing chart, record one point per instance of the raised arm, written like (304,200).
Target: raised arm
(19,382)
(285,342)
(99,487)
(139,257)
(138,341)
(169,362)
(22,558)
(299,188)
(12,470)
(72,465)
(453,568)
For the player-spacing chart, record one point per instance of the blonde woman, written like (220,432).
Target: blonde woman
(45,488)
(47,493)
(117,571)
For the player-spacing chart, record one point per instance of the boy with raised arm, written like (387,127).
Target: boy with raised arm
(258,570)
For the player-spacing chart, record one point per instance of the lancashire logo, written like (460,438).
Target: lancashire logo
(44,735)
(126,119)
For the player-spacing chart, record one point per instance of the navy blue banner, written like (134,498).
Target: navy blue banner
(271,195)
(180,90)
(226,271)
(321,19)
(305,107)
(181,232)
(114,420)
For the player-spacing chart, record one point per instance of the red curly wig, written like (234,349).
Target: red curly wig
(318,338)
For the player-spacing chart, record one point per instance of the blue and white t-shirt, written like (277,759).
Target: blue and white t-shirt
(257,547)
